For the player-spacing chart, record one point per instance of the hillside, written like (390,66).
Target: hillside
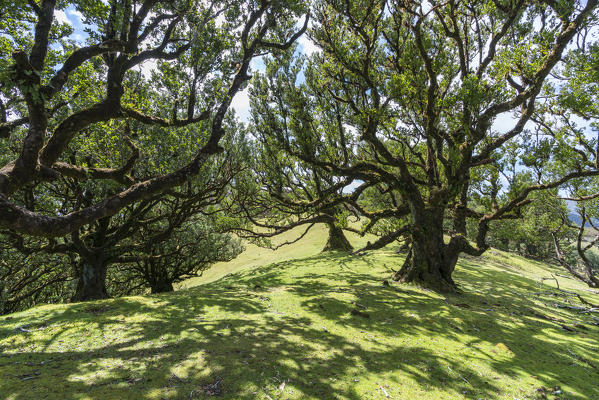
(322,326)
(253,256)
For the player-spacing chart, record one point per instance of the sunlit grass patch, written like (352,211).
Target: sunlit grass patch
(319,327)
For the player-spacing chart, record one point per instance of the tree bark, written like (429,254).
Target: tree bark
(592,281)
(429,262)
(91,284)
(162,286)
(531,250)
(157,276)
(337,240)
(589,276)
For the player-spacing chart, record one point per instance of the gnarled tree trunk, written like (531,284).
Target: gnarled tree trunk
(161,286)
(337,240)
(157,276)
(429,262)
(91,283)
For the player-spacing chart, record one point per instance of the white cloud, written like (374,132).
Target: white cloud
(504,122)
(352,186)
(241,101)
(426,6)
(76,15)
(257,64)
(61,17)
(147,67)
(220,20)
(307,46)
(241,105)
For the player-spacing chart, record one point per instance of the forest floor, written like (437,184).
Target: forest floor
(319,326)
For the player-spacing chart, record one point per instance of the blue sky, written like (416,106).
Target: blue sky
(74,18)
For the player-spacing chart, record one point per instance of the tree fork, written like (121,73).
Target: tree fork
(428,262)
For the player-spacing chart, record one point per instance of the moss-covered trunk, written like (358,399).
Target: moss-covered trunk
(161,286)
(157,275)
(429,263)
(337,240)
(91,282)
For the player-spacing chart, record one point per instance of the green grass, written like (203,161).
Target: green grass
(286,331)
(255,256)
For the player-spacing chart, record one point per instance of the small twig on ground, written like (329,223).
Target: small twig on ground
(385,392)
(556,282)
(565,293)
(582,359)
(583,301)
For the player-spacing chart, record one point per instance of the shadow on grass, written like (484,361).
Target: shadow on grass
(292,322)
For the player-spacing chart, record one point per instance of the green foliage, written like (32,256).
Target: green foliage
(531,234)
(279,190)
(29,276)
(188,251)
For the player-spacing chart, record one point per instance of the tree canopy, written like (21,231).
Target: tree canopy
(439,98)
(438,123)
(54,91)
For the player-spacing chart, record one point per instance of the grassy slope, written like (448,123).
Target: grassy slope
(290,323)
(254,256)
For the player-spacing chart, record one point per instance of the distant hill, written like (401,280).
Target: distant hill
(575,218)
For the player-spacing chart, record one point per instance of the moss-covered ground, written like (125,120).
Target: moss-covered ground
(297,324)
